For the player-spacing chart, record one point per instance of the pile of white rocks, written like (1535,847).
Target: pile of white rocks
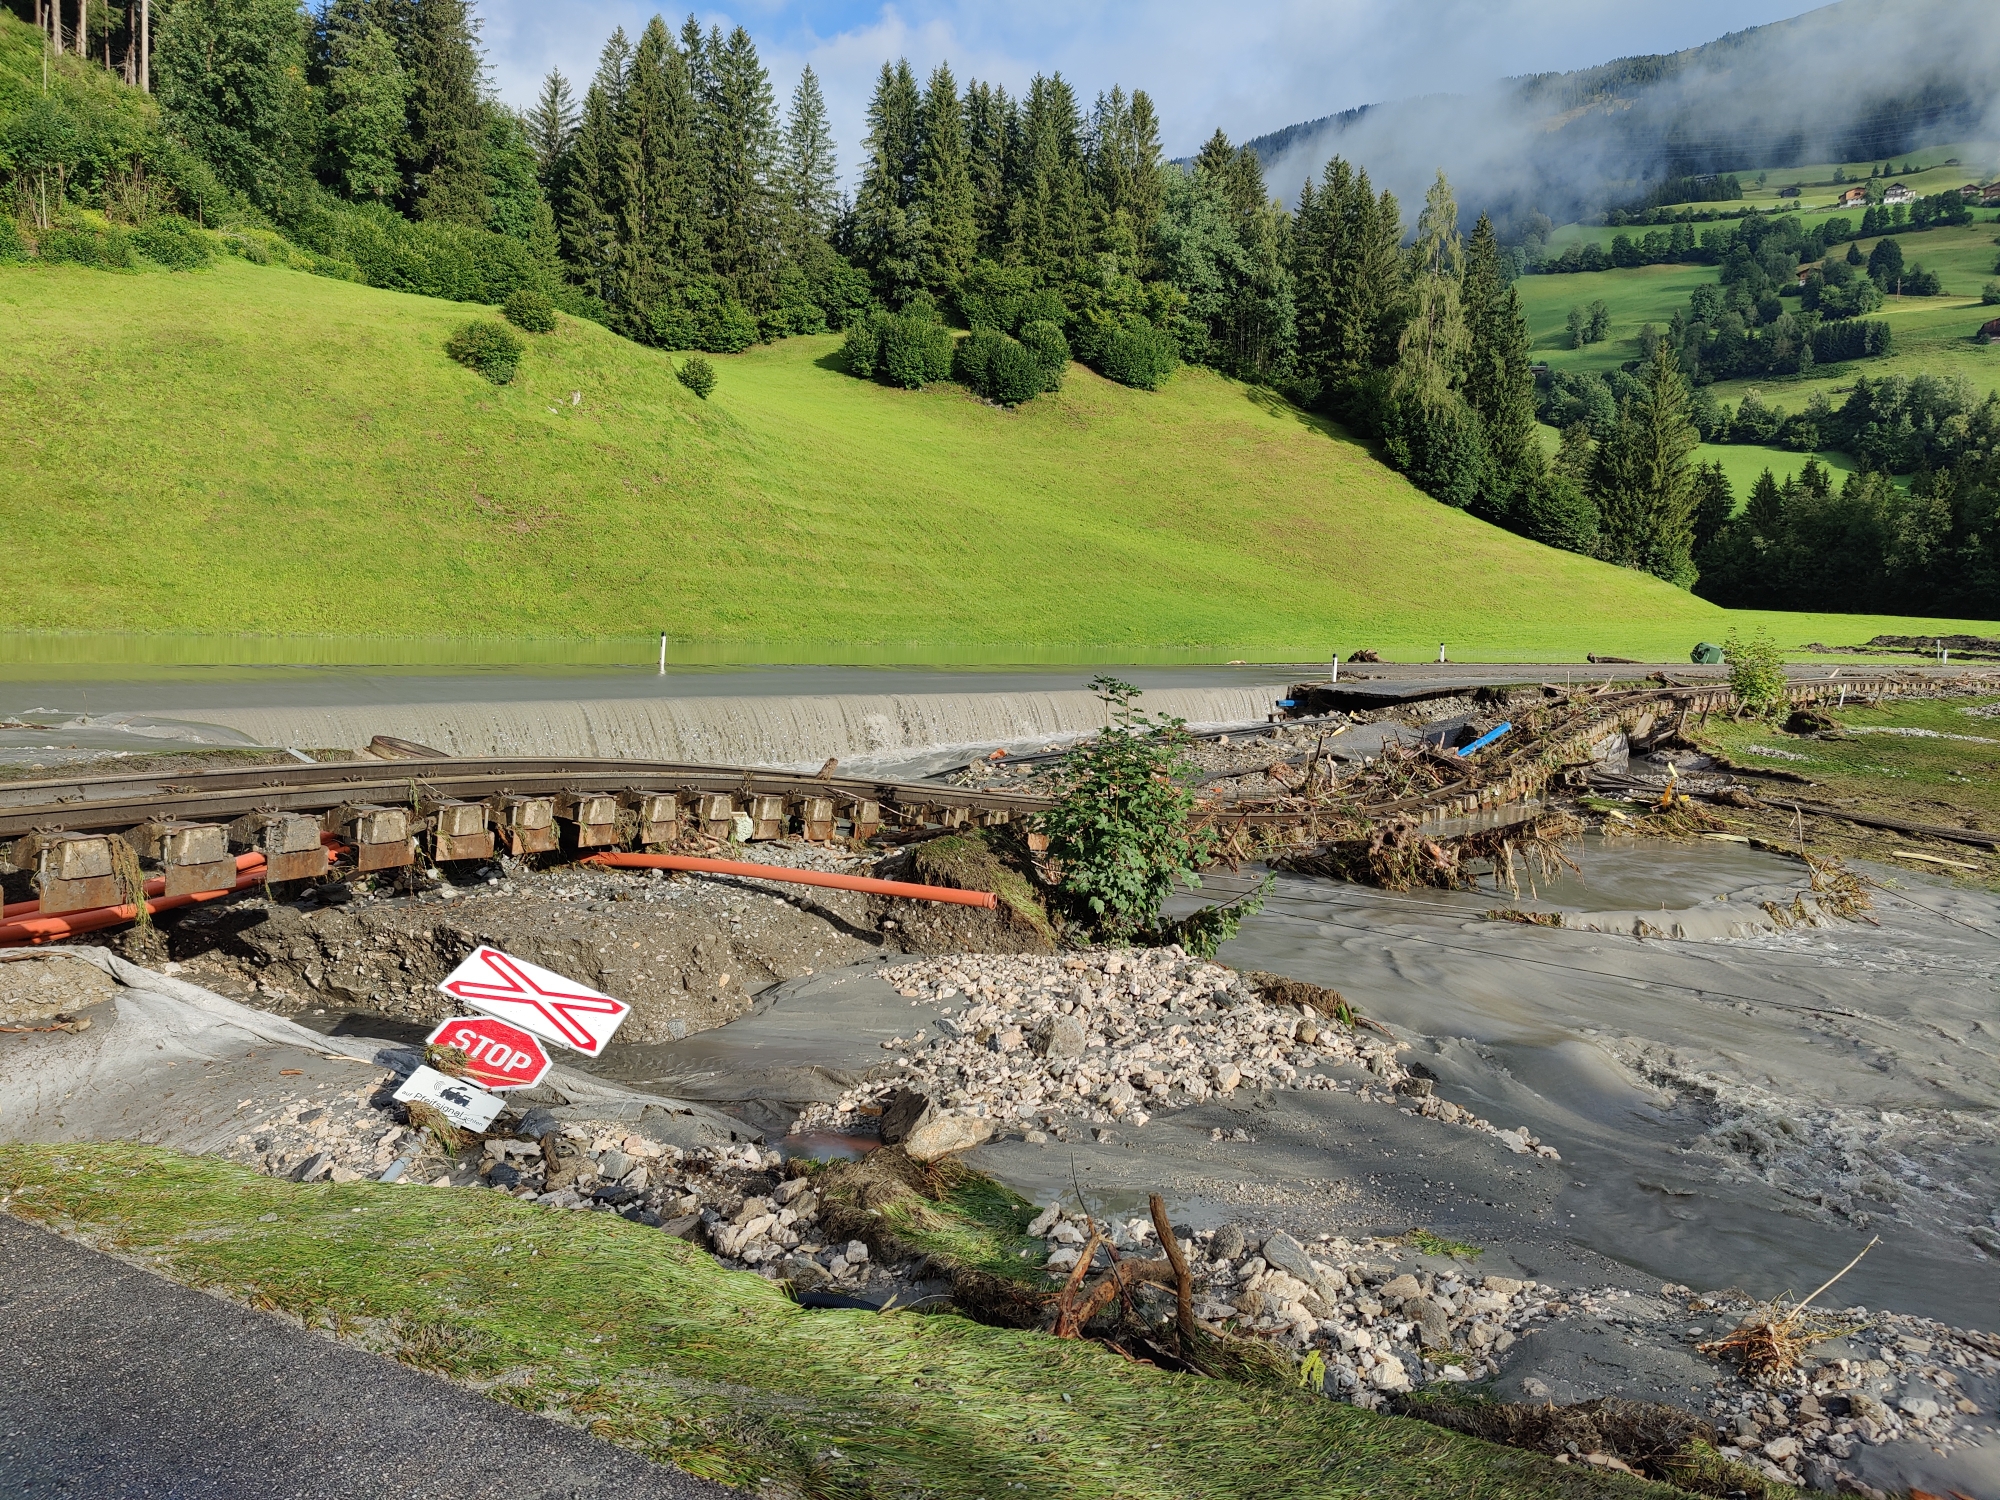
(1040,1042)
(1378,1327)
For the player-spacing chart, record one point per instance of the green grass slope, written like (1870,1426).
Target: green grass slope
(253,449)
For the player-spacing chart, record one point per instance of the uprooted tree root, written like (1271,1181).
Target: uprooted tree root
(1647,1438)
(1397,854)
(1772,1342)
(970,1231)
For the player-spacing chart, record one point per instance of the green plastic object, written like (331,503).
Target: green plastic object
(1707,654)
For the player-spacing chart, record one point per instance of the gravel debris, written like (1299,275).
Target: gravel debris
(1056,1043)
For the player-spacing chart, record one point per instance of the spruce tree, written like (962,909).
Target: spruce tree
(1347,262)
(661,190)
(1499,380)
(1049,225)
(590,208)
(1124,157)
(366,94)
(990,129)
(1430,432)
(1644,482)
(741,139)
(444,165)
(808,171)
(886,238)
(942,197)
(552,126)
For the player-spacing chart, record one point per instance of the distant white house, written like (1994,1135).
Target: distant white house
(1897,193)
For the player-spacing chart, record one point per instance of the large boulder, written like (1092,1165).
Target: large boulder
(943,1134)
(907,1110)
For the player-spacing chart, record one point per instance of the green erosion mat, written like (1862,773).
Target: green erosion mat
(645,1341)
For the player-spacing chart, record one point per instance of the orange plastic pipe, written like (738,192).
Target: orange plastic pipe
(17,909)
(796,877)
(69,924)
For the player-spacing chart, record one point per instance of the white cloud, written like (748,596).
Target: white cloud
(1248,67)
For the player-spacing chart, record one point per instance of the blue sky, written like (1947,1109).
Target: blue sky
(1248,66)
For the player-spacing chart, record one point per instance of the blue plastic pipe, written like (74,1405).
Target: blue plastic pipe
(1485,739)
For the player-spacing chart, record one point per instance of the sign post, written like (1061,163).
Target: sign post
(536,999)
(499,1054)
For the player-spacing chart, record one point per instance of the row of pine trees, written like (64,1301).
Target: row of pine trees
(676,202)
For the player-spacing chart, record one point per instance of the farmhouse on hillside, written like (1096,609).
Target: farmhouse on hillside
(1789,192)
(1854,197)
(1898,193)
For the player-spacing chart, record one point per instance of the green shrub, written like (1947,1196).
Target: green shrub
(974,356)
(172,242)
(698,375)
(1989,295)
(1045,341)
(108,250)
(488,347)
(12,246)
(1014,375)
(862,348)
(915,350)
(1756,674)
(1122,832)
(1140,355)
(530,310)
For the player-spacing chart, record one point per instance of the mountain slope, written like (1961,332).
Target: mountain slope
(250,448)
(1857,80)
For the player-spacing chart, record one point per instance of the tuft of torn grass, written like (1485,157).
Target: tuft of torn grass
(1426,1243)
(647,1342)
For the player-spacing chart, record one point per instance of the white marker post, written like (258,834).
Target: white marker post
(663,653)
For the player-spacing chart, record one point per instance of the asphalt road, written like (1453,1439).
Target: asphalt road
(116,1385)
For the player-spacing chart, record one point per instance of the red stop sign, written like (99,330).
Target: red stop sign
(503,1056)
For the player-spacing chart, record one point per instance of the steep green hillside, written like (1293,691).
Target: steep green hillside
(250,448)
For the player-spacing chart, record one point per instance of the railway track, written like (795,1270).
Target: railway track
(86,838)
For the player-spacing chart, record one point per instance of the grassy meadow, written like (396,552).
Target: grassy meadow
(642,1340)
(255,449)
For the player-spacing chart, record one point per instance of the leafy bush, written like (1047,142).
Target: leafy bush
(530,310)
(1141,356)
(1756,674)
(1989,295)
(488,347)
(172,242)
(108,250)
(698,316)
(862,348)
(430,257)
(12,247)
(916,350)
(1045,341)
(999,368)
(1121,834)
(698,375)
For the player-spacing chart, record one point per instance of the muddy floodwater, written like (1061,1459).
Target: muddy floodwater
(1741,1107)
(1732,1110)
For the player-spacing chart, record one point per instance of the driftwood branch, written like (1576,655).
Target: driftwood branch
(1183,1283)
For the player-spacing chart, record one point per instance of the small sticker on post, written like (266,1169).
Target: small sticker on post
(462,1103)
